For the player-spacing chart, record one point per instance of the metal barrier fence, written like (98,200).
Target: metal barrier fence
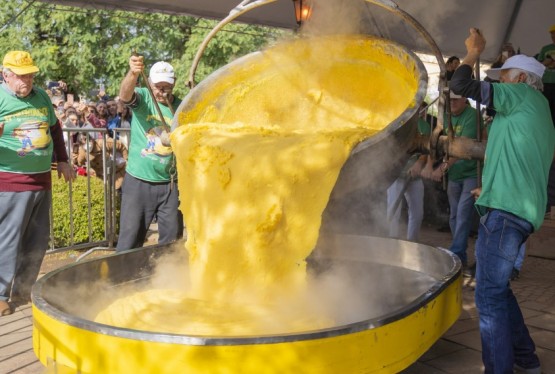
(86,140)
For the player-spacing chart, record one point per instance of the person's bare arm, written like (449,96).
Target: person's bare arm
(416,170)
(127,87)
(66,171)
(476,192)
(428,169)
(475,45)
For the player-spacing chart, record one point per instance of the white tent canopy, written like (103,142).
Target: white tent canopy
(525,23)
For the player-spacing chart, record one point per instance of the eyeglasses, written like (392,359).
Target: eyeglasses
(163,88)
(24,76)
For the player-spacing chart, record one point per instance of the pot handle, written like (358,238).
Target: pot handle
(243,7)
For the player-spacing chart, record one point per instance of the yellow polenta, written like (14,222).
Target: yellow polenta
(257,158)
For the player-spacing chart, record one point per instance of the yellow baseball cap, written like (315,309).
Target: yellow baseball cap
(20,62)
(552,28)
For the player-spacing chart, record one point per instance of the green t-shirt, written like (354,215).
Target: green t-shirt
(549,74)
(519,153)
(424,127)
(463,125)
(148,159)
(26,144)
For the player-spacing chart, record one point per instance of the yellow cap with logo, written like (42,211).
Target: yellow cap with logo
(20,62)
(552,28)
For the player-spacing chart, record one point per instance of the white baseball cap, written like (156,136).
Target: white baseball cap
(162,72)
(453,95)
(523,62)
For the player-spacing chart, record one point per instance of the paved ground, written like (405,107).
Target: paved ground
(458,351)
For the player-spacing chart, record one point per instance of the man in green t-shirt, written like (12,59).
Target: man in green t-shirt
(512,200)
(149,188)
(30,133)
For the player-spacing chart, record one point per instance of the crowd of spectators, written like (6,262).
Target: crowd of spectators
(85,146)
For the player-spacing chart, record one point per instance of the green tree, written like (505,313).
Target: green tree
(86,47)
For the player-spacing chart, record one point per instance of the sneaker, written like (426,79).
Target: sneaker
(515,274)
(520,370)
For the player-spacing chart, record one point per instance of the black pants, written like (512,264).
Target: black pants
(141,201)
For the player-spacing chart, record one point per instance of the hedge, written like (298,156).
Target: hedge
(61,216)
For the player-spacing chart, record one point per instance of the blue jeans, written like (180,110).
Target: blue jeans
(520,258)
(505,338)
(461,205)
(414,194)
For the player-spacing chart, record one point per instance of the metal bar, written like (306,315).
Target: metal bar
(92,250)
(169,104)
(77,247)
(511,23)
(147,84)
(243,7)
(478,125)
(89,203)
(70,194)
(105,184)
(156,105)
(113,197)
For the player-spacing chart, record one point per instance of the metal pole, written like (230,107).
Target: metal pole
(168,103)
(147,84)
(156,105)
(478,125)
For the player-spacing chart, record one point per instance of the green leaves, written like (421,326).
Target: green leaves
(86,46)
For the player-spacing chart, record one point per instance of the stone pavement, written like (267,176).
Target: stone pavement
(458,351)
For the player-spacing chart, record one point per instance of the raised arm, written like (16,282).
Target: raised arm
(475,45)
(127,87)
(462,82)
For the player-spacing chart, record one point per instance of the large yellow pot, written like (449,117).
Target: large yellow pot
(403,320)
